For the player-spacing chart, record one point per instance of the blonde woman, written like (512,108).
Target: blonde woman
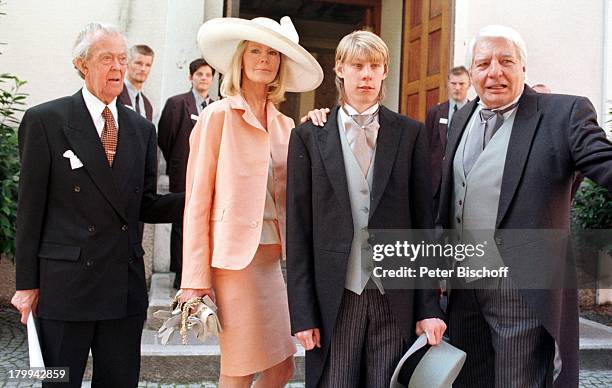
(234,224)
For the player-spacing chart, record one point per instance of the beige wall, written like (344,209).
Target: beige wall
(40,35)
(565,40)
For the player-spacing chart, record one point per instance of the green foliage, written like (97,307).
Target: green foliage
(592,219)
(11,101)
(592,207)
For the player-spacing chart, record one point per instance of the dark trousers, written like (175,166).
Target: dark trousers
(366,344)
(505,343)
(114,344)
(176,252)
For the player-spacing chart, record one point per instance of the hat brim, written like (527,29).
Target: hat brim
(219,38)
(435,366)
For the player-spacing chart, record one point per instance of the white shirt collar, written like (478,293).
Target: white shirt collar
(132,92)
(352,111)
(506,114)
(199,100)
(459,104)
(95,108)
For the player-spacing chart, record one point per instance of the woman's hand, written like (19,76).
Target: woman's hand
(188,293)
(317,116)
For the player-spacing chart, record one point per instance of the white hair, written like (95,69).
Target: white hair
(498,31)
(88,35)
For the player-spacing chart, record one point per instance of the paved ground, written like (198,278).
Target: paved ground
(14,355)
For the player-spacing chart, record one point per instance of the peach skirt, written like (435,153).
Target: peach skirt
(254,314)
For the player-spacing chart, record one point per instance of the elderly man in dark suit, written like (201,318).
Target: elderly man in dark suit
(140,61)
(88,176)
(367,168)
(510,164)
(175,124)
(438,120)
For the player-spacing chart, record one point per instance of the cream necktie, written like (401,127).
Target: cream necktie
(362,131)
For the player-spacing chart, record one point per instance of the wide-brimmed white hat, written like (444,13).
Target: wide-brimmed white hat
(428,366)
(218,39)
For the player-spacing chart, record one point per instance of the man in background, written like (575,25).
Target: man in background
(438,121)
(175,124)
(140,60)
(541,88)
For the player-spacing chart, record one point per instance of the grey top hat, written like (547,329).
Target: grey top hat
(428,366)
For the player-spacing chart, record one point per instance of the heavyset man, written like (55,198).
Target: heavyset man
(510,163)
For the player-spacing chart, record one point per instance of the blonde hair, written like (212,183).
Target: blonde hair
(363,45)
(231,83)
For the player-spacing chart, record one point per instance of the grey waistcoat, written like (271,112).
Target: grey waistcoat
(360,263)
(476,197)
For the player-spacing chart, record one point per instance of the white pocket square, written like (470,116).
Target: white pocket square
(75,162)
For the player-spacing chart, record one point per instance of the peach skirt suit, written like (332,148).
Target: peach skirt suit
(234,230)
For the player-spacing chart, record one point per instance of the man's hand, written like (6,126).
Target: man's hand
(317,116)
(25,301)
(433,327)
(189,293)
(309,338)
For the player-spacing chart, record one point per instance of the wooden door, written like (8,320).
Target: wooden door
(425,55)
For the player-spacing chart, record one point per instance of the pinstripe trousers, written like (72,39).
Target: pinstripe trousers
(505,343)
(366,344)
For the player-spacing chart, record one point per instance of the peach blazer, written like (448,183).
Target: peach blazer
(226,185)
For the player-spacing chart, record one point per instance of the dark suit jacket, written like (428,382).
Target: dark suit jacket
(553,136)
(437,141)
(174,128)
(320,226)
(77,229)
(124,98)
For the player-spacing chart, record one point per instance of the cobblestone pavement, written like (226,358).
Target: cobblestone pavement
(14,355)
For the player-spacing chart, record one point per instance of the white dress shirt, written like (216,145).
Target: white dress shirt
(95,108)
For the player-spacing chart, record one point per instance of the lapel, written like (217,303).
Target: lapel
(455,131)
(387,143)
(124,159)
(330,147)
(124,97)
(443,129)
(83,138)
(148,107)
(460,121)
(523,131)
(190,104)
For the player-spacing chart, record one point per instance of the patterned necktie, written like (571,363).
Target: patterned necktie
(455,108)
(361,132)
(137,103)
(204,104)
(109,135)
(488,122)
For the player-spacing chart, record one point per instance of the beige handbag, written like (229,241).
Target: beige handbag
(198,314)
